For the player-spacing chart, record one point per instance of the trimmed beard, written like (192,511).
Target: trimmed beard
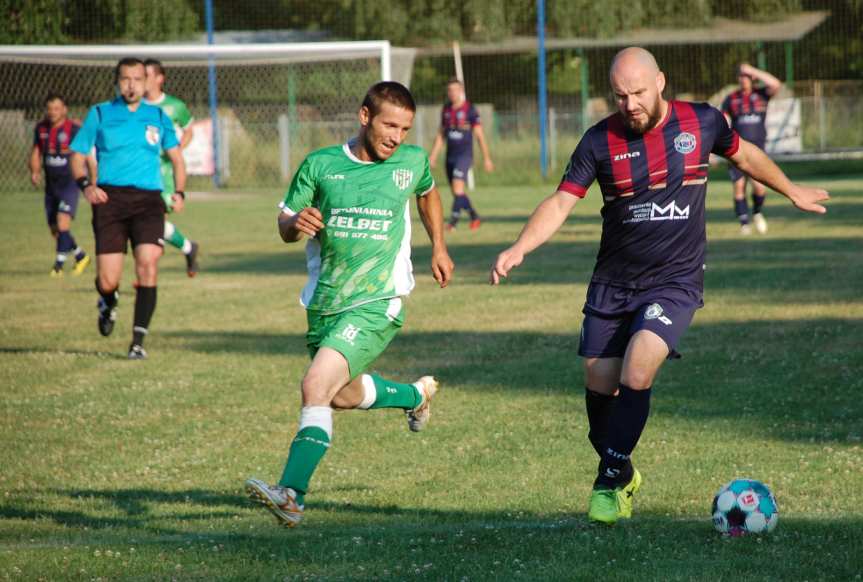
(653,118)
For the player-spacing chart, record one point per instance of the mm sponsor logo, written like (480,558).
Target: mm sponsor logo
(670,211)
(403,178)
(685,143)
(626,156)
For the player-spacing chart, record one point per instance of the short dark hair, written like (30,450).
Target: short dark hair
(126,62)
(54,97)
(454,81)
(156,64)
(389,92)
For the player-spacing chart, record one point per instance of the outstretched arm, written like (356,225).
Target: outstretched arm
(753,161)
(542,224)
(431,214)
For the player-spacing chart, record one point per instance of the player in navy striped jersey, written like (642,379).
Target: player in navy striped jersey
(650,159)
(746,110)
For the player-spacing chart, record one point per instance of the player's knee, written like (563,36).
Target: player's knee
(314,390)
(638,379)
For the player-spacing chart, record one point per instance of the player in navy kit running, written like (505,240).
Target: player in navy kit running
(459,123)
(746,110)
(650,159)
(51,139)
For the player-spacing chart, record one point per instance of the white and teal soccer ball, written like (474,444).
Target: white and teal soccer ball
(745,506)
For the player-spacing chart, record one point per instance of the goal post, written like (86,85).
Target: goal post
(275,102)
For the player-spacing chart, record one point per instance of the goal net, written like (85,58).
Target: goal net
(275,102)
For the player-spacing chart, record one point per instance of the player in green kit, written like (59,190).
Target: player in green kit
(179,114)
(352,202)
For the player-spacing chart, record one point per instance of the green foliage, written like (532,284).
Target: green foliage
(759,10)
(31,22)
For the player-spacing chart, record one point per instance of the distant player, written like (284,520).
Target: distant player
(128,136)
(182,119)
(651,160)
(352,201)
(459,123)
(51,152)
(746,109)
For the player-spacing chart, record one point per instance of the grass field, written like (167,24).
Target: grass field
(115,470)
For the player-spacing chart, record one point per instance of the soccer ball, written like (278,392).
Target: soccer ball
(745,506)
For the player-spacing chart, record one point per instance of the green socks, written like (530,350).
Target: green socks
(175,238)
(382,393)
(308,448)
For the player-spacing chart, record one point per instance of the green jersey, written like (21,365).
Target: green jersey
(180,116)
(363,252)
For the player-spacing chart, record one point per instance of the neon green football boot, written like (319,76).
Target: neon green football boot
(604,506)
(625,493)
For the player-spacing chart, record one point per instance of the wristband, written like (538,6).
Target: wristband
(83,183)
(181,193)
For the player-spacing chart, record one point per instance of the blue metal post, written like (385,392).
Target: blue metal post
(214,100)
(542,98)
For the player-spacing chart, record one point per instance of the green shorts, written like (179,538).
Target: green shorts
(167,184)
(360,334)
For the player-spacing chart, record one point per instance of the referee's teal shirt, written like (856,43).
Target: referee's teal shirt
(128,143)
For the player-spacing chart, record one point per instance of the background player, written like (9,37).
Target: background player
(352,201)
(182,119)
(746,109)
(459,123)
(51,139)
(128,136)
(648,279)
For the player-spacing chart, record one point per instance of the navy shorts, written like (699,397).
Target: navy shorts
(457,168)
(62,197)
(736,174)
(612,315)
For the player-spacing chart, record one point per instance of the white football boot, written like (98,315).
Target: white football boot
(760,223)
(418,417)
(281,501)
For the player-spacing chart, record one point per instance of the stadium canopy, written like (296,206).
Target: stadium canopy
(720,31)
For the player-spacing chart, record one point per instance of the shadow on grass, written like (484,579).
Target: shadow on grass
(89,353)
(806,372)
(361,541)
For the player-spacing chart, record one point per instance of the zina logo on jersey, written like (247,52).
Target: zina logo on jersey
(403,178)
(685,143)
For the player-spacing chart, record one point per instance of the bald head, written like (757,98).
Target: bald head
(637,83)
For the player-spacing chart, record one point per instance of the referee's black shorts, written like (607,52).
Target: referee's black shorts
(129,215)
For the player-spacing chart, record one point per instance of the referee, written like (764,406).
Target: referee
(129,136)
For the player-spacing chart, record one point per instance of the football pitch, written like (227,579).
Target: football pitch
(114,470)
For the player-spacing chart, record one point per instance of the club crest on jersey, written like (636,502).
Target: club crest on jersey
(152,134)
(403,178)
(62,137)
(685,143)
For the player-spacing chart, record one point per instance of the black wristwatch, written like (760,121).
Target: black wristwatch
(181,193)
(83,183)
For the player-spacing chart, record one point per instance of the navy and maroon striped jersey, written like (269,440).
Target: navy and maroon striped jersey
(653,186)
(457,124)
(748,113)
(53,144)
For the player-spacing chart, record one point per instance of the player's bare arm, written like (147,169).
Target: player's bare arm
(35,165)
(92,193)
(431,214)
(542,224)
(437,146)
(307,222)
(751,160)
(179,166)
(186,138)
(771,83)
(483,146)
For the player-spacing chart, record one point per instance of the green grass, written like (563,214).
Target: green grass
(118,470)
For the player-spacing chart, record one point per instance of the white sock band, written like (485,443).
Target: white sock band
(319,416)
(370,394)
(187,247)
(169,230)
